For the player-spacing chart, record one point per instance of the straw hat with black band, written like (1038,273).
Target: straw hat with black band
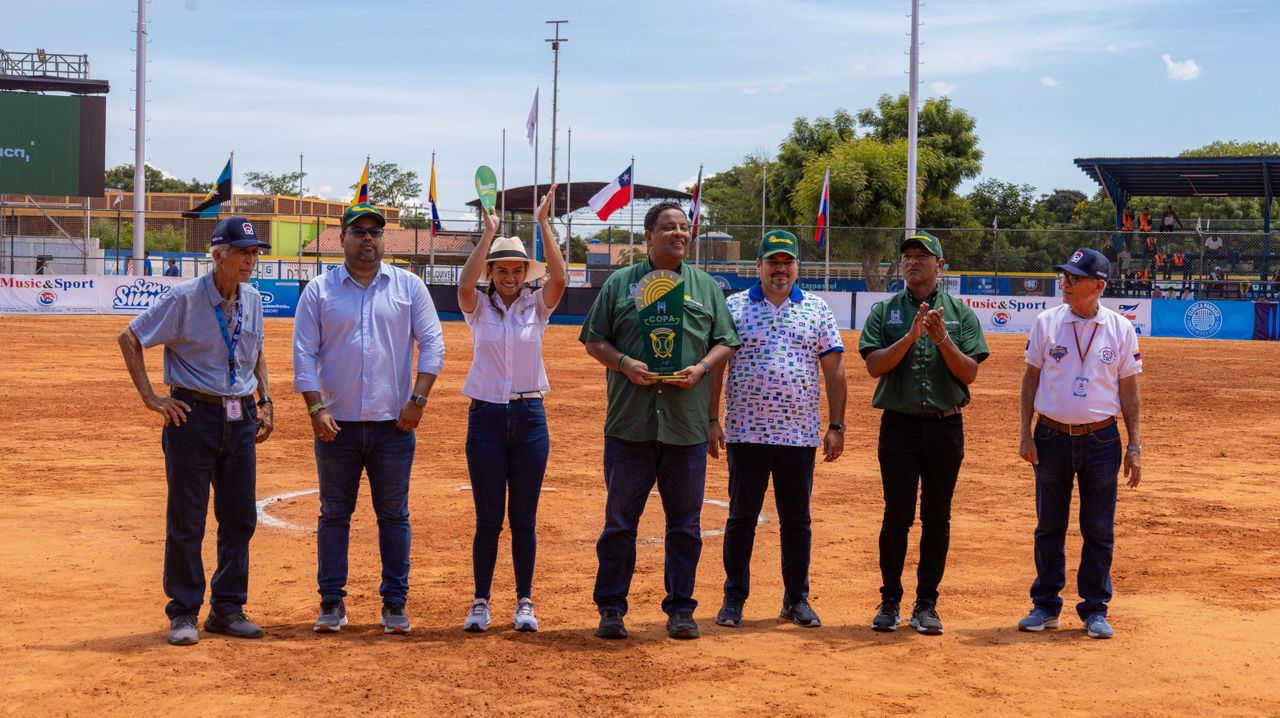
(511,249)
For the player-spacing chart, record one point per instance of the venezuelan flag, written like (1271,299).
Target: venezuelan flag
(431,197)
(1137,356)
(362,189)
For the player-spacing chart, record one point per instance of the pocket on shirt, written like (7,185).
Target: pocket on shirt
(488,330)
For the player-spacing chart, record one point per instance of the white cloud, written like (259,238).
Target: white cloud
(1049,81)
(1112,48)
(750,90)
(942,89)
(686,185)
(1185,70)
(775,89)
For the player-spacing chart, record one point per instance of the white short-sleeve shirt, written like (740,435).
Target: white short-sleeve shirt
(1081,363)
(507,347)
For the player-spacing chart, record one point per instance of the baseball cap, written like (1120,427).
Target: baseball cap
(777,241)
(931,244)
(362,209)
(237,232)
(1086,263)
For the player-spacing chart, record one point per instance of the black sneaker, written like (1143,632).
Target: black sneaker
(730,613)
(333,616)
(611,625)
(925,620)
(801,614)
(887,619)
(681,626)
(236,625)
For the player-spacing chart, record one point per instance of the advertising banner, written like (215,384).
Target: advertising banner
(1015,315)
(279,296)
(80,294)
(1137,311)
(1202,319)
(1266,321)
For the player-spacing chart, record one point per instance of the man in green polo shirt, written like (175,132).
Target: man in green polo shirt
(655,431)
(924,346)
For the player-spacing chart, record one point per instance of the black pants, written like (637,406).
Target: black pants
(917,453)
(749,469)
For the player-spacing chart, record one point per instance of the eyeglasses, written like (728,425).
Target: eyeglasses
(1073,279)
(362,232)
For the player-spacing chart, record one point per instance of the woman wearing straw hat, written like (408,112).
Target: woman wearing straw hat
(507,440)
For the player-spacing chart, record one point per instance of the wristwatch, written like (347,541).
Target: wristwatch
(836,427)
(264,401)
(418,399)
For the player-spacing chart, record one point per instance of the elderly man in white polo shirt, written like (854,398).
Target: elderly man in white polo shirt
(1082,369)
(773,422)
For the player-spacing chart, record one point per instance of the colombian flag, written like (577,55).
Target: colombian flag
(362,189)
(431,197)
(824,210)
(220,192)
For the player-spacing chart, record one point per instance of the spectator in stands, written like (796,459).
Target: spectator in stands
(1216,275)
(1126,226)
(1213,250)
(42,265)
(1149,245)
(1162,263)
(1144,221)
(1180,264)
(1125,259)
(1187,293)
(146,265)
(1169,219)
(1157,292)
(1233,254)
(172,270)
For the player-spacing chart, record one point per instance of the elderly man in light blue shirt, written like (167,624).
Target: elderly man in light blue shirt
(353,340)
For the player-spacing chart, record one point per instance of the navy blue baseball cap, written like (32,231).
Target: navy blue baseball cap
(1086,263)
(237,232)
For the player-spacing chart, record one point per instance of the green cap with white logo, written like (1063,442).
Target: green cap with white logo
(779,240)
(931,244)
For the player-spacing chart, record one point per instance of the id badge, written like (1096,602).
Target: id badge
(234,408)
(1080,387)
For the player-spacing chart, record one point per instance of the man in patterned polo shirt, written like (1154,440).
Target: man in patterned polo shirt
(925,347)
(772,425)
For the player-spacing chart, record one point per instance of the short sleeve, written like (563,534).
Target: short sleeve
(1035,340)
(974,341)
(872,331)
(1131,360)
(159,324)
(598,326)
(540,306)
(723,331)
(829,339)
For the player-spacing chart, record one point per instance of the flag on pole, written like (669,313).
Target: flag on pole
(531,124)
(362,188)
(695,207)
(824,210)
(431,197)
(220,192)
(613,197)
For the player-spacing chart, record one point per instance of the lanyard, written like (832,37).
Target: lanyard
(231,339)
(1085,352)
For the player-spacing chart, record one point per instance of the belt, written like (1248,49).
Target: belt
(1077,429)
(517,395)
(182,393)
(932,415)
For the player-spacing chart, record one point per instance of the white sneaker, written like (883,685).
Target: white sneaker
(524,619)
(478,619)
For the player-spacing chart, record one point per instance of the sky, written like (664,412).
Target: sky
(677,85)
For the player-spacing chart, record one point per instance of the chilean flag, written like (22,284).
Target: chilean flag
(613,197)
(695,207)
(824,210)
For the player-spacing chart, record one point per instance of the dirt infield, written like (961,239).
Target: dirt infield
(82,535)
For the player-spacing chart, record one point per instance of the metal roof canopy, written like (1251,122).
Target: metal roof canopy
(1127,177)
(521,199)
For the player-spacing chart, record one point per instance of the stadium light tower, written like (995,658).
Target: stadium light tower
(555,92)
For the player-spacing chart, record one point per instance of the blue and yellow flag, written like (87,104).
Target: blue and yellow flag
(362,188)
(431,197)
(220,192)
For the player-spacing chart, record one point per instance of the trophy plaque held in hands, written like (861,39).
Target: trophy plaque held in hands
(659,298)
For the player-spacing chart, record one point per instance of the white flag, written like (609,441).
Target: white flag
(531,125)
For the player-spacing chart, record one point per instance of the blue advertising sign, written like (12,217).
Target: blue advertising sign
(279,296)
(1202,319)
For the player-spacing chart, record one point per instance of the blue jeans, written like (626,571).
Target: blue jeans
(386,452)
(630,470)
(1095,460)
(209,450)
(507,447)
(749,469)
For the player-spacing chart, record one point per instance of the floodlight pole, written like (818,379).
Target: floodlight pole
(139,141)
(300,174)
(555,93)
(912,117)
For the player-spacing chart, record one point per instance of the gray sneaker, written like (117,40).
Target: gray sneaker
(887,618)
(801,614)
(925,620)
(393,619)
(524,619)
(333,616)
(183,631)
(237,625)
(477,620)
(1097,627)
(1038,620)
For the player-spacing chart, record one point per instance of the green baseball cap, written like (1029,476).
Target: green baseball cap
(931,244)
(362,209)
(779,241)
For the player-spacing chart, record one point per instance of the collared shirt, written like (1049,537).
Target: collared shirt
(660,412)
(921,383)
(507,347)
(773,390)
(354,344)
(1081,363)
(184,320)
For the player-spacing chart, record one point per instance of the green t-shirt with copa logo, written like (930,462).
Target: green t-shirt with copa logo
(921,383)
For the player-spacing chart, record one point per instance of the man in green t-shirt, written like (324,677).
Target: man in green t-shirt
(655,431)
(924,346)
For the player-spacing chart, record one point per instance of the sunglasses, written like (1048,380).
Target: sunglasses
(362,232)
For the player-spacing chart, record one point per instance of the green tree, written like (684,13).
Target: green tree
(806,141)
(391,186)
(948,131)
(168,238)
(1062,204)
(121,177)
(279,184)
(733,196)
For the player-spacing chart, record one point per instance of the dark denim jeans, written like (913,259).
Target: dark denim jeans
(749,469)
(386,453)
(207,450)
(630,470)
(1095,460)
(507,447)
(922,453)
